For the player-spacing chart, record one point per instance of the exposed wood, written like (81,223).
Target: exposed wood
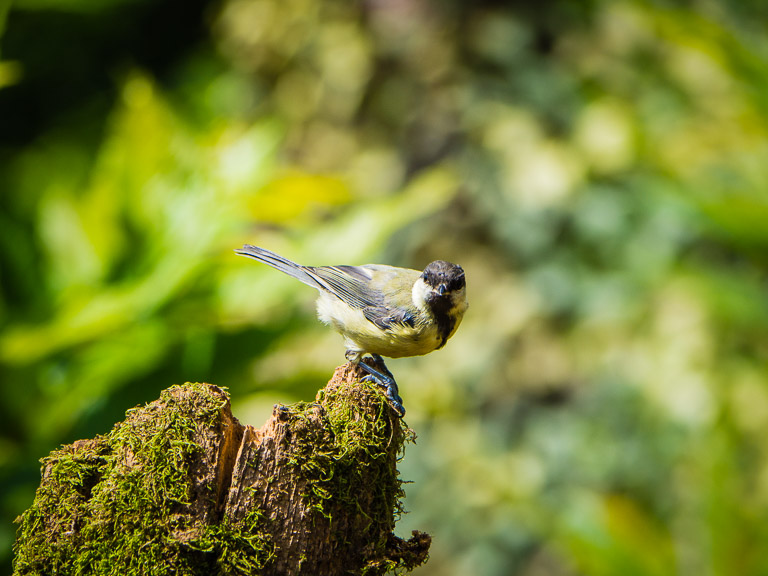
(182,487)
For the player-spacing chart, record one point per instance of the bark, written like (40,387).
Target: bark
(182,487)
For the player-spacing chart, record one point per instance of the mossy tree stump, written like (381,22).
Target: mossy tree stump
(181,487)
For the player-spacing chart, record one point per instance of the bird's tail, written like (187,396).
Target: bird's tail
(280,263)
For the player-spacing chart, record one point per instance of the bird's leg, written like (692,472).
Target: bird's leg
(384,370)
(389,385)
(383,379)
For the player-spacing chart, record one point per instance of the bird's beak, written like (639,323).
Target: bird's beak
(441,289)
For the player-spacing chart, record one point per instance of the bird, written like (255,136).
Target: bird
(382,310)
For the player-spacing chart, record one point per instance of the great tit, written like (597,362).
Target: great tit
(382,310)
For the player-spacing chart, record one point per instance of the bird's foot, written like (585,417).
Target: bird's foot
(384,379)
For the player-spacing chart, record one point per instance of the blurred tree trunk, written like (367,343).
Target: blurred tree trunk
(182,487)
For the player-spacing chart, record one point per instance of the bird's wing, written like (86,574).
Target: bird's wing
(385,318)
(362,287)
(352,284)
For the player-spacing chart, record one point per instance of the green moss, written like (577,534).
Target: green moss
(142,499)
(125,503)
(352,464)
(240,548)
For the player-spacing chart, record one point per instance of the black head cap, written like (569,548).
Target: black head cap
(444,276)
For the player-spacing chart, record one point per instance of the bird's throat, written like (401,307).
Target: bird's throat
(442,310)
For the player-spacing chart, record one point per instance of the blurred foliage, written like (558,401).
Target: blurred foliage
(599,169)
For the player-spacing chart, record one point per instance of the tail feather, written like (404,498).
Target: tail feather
(278,262)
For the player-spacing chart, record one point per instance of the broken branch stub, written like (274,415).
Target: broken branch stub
(182,487)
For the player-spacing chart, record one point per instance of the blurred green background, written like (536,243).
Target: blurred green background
(599,168)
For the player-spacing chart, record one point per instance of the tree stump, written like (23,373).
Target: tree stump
(181,487)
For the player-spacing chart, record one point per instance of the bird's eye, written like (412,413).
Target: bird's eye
(456,283)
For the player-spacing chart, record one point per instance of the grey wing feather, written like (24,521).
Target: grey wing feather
(354,285)
(361,287)
(351,284)
(385,318)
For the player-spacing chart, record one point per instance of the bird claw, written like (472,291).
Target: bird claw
(391,392)
(386,381)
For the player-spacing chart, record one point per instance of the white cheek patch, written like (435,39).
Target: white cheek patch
(419,293)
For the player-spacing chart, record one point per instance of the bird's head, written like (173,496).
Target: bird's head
(441,286)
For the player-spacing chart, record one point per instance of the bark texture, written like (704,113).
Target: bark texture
(181,487)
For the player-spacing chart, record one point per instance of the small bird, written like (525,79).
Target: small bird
(382,310)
